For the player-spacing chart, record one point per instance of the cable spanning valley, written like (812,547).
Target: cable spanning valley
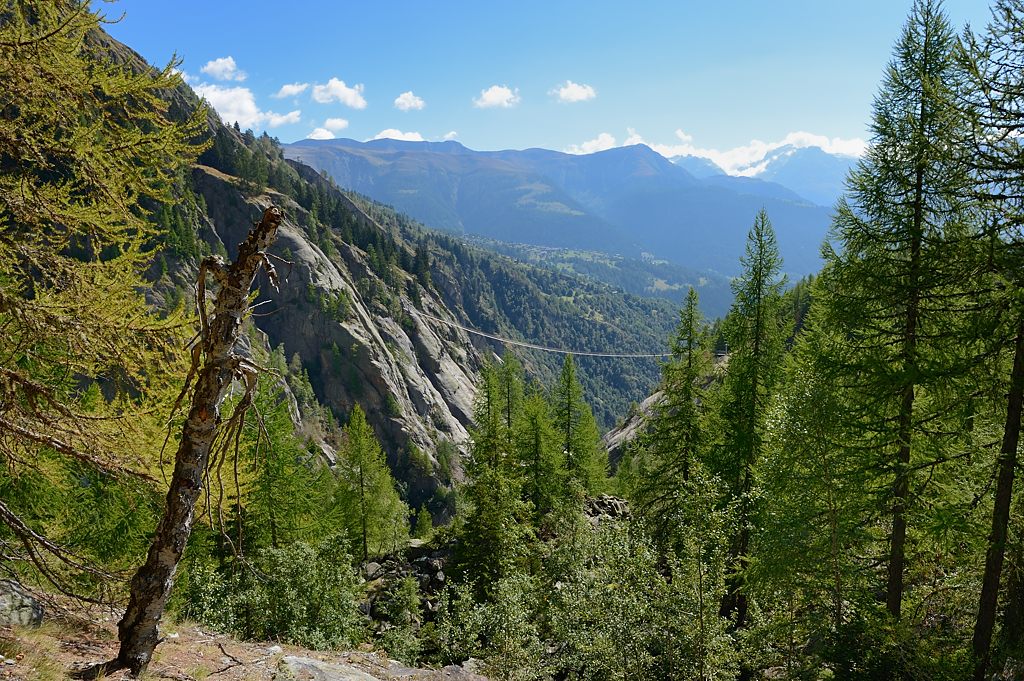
(543,348)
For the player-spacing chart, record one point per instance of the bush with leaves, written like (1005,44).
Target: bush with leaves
(455,632)
(301,594)
(513,651)
(400,606)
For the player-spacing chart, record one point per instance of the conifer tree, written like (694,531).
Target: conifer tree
(994,62)
(672,444)
(892,285)
(755,336)
(539,456)
(510,376)
(813,490)
(378,516)
(489,433)
(585,461)
(496,536)
(289,495)
(73,241)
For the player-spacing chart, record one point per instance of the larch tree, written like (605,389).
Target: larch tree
(489,433)
(510,376)
(496,536)
(813,489)
(891,286)
(585,460)
(288,494)
(755,334)
(994,62)
(376,512)
(671,445)
(539,455)
(84,141)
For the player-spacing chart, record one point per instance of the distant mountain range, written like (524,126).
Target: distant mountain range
(811,172)
(626,200)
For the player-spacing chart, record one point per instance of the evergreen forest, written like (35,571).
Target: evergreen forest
(821,485)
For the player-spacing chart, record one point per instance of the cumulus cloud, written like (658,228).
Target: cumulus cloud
(224,68)
(335,90)
(392,134)
(570,92)
(450,135)
(497,96)
(275,119)
(749,160)
(599,143)
(290,90)
(238,105)
(335,124)
(407,101)
(320,134)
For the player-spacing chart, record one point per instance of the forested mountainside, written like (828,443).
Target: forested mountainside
(500,296)
(821,487)
(361,272)
(345,316)
(625,201)
(645,276)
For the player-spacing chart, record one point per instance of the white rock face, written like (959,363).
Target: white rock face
(414,377)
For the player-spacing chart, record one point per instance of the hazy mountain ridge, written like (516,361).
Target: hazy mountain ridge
(809,172)
(625,200)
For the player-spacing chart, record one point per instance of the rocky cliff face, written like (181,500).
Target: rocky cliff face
(360,339)
(618,439)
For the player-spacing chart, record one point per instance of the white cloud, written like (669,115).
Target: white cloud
(497,96)
(320,134)
(273,120)
(450,135)
(633,137)
(407,101)
(335,124)
(393,134)
(570,92)
(749,159)
(224,68)
(599,143)
(238,105)
(290,90)
(335,90)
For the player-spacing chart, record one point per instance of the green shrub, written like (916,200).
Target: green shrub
(301,594)
(400,605)
(456,630)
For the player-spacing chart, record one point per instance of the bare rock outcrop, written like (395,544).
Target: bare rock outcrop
(361,340)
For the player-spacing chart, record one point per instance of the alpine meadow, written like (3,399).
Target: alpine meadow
(397,408)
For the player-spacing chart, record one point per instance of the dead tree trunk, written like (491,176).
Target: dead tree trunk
(151,585)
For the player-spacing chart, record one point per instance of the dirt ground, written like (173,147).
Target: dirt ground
(68,643)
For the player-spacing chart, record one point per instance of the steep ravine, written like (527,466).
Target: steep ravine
(415,381)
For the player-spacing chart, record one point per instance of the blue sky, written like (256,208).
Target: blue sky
(726,80)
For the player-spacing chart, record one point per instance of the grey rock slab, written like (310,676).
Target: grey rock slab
(17,606)
(308,669)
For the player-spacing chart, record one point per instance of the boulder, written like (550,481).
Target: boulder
(606,507)
(308,669)
(358,668)
(372,570)
(17,606)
